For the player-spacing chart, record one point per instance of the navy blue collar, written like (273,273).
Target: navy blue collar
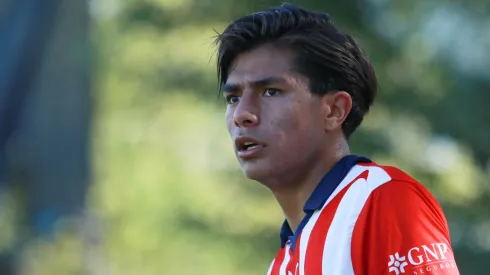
(321,194)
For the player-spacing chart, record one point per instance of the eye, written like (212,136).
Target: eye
(232,99)
(271,92)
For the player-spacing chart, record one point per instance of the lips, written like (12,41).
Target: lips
(248,147)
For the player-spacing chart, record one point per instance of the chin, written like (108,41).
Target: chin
(257,172)
(260,172)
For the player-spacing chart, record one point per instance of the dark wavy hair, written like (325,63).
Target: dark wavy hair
(328,57)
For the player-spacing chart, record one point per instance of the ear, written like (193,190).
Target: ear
(337,107)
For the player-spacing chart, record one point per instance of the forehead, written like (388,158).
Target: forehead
(264,61)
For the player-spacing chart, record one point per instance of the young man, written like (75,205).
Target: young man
(296,88)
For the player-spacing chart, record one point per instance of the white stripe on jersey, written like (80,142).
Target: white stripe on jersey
(337,250)
(270,268)
(284,265)
(304,240)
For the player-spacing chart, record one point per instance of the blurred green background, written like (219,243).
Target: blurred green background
(116,160)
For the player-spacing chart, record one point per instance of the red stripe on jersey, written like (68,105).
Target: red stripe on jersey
(397,174)
(278,261)
(293,264)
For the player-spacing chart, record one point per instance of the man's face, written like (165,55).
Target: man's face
(275,122)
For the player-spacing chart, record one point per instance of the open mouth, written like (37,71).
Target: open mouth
(248,146)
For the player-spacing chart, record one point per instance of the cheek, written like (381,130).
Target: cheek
(297,124)
(229,120)
(295,116)
(288,125)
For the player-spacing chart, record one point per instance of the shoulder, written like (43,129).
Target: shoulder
(401,224)
(400,193)
(383,192)
(392,182)
(399,204)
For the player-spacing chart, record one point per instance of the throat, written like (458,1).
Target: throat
(292,203)
(295,220)
(293,195)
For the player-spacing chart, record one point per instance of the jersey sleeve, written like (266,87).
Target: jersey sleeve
(402,230)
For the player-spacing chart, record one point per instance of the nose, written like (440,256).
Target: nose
(246,113)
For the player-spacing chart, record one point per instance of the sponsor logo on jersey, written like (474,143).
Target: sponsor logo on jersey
(422,259)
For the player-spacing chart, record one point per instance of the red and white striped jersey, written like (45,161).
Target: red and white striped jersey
(366,219)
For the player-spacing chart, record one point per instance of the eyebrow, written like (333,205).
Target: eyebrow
(230,87)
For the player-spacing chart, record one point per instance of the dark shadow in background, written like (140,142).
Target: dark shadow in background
(44,113)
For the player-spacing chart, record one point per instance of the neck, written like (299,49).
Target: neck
(292,196)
